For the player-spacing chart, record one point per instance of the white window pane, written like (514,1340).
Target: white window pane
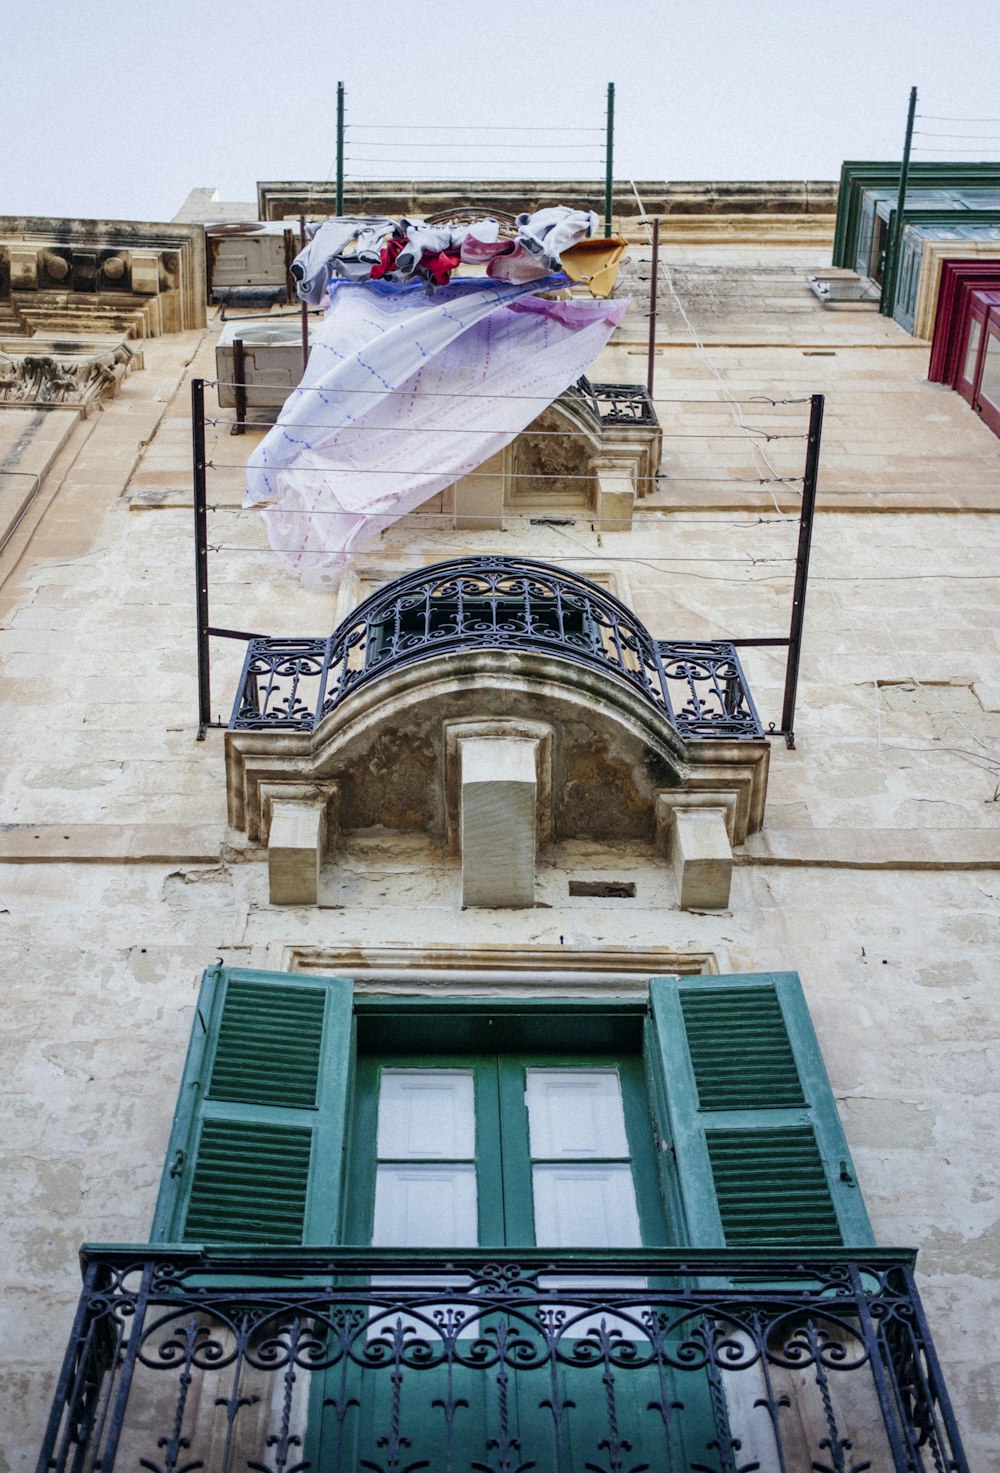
(972,351)
(574,1114)
(585,1207)
(426,1115)
(989,387)
(425,1207)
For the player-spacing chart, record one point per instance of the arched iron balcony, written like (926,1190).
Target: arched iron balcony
(494,603)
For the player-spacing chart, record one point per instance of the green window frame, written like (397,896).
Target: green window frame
(503,1157)
(748,1144)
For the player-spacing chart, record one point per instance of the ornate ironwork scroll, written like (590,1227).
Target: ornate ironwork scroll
(498,603)
(616,404)
(714,1362)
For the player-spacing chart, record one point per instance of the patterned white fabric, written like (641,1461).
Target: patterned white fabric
(405,392)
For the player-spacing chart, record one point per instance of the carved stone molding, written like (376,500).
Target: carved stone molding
(45,372)
(125,277)
(607,766)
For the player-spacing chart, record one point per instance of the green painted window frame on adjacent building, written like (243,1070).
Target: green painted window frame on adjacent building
(748,1143)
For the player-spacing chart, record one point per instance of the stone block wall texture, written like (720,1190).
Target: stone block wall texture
(876,876)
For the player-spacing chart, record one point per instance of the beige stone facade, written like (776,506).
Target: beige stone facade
(875,872)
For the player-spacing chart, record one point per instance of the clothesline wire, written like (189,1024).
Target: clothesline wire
(450,471)
(763,436)
(364,428)
(735,410)
(478,162)
(389,554)
(521,147)
(551,521)
(497,178)
(474,128)
(449,516)
(934,118)
(760,400)
(223,383)
(972,137)
(749,562)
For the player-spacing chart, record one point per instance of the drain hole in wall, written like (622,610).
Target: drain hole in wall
(606,889)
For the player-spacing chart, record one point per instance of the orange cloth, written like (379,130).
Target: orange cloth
(595,262)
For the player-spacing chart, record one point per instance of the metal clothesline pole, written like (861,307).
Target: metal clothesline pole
(304,305)
(609,160)
(201,554)
(802,568)
(654,272)
(890,274)
(340,148)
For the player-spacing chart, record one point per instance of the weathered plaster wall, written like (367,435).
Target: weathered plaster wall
(876,876)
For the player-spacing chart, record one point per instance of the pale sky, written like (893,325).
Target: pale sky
(116,108)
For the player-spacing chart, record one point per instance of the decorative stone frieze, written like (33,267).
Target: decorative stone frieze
(125,277)
(49,372)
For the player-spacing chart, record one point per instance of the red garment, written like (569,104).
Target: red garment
(390,251)
(438,265)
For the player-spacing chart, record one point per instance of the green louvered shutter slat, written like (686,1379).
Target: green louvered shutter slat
(761,1156)
(269,1045)
(233,1154)
(256,1151)
(771,1188)
(740,1049)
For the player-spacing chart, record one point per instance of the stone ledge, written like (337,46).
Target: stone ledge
(957,849)
(100,843)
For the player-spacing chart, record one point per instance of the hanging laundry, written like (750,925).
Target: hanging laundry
(483,241)
(387,257)
(594,263)
(547,233)
(405,393)
(437,267)
(313,266)
(355,248)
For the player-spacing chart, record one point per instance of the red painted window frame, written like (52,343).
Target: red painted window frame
(959,279)
(988,411)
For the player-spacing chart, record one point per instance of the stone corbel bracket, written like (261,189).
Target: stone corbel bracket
(575,754)
(698,826)
(299,823)
(498,796)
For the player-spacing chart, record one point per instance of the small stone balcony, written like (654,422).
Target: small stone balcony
(499,704)
(724,1361)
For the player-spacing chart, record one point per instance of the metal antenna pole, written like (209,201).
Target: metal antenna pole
(609,160)
(304,303)
(200,554)
(890,274)
(340,148)
(802,567)
(654,272)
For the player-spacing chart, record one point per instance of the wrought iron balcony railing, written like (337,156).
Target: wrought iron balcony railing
(716,1361)
(616,404)
(494,603)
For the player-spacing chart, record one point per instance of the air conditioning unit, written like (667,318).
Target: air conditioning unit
(272,361)
(257,255)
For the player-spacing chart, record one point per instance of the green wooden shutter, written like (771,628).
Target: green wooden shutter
(256,1151)
(747,1108)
